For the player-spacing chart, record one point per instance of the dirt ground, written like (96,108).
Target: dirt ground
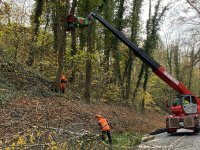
(20,114)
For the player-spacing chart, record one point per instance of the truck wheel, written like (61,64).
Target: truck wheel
(197,129)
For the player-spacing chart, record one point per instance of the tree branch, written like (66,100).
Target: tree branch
(193,6)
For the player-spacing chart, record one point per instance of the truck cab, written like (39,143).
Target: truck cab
(185,114)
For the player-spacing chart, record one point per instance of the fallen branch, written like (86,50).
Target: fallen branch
(84,132)
(3,90)
(10,124)
(33,145)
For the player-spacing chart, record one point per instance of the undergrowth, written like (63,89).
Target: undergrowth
(17,80)
(45,139)
(123,141)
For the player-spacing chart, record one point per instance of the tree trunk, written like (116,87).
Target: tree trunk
(138,81)
(73,45)
(176,61)
(90,45)
(169,58)
(146,77)
(108,12)
(61,11)
(137,4)
(88,68)
(36,25)
(152,40)
(192,59)
(119,26)
(41,57)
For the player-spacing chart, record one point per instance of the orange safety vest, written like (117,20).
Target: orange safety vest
(63,80)
(104,124)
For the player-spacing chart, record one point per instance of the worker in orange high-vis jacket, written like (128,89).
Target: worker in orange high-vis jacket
(63,81)
(105,128)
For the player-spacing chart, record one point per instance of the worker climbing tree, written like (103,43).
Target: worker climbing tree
(63,81)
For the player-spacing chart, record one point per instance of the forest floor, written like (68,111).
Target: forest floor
(21,113)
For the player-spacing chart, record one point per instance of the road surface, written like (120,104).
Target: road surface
(179,141)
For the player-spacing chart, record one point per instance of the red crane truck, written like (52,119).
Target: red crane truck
(185,111)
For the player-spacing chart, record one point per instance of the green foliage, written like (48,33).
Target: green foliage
(37,138)
(111,93)
(92,4)
(140,96)
(17,80)
(5,89)
(14,40)
(123,141)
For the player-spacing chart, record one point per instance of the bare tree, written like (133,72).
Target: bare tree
(195,4)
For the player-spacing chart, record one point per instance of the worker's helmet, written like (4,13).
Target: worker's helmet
(98,116)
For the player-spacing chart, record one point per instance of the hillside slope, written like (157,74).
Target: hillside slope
(28,102)
(21,115)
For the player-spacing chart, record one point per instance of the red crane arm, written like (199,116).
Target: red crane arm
(171,81)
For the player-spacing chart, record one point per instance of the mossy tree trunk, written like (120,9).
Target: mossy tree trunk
(73,45)
(60,10)
(152,40)
(115,42)
(36,25)
(135,26)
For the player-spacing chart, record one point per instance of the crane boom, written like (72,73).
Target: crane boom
(156,67)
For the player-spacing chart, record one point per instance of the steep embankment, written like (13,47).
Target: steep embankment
(28,102)
(19,79)
(61,112)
